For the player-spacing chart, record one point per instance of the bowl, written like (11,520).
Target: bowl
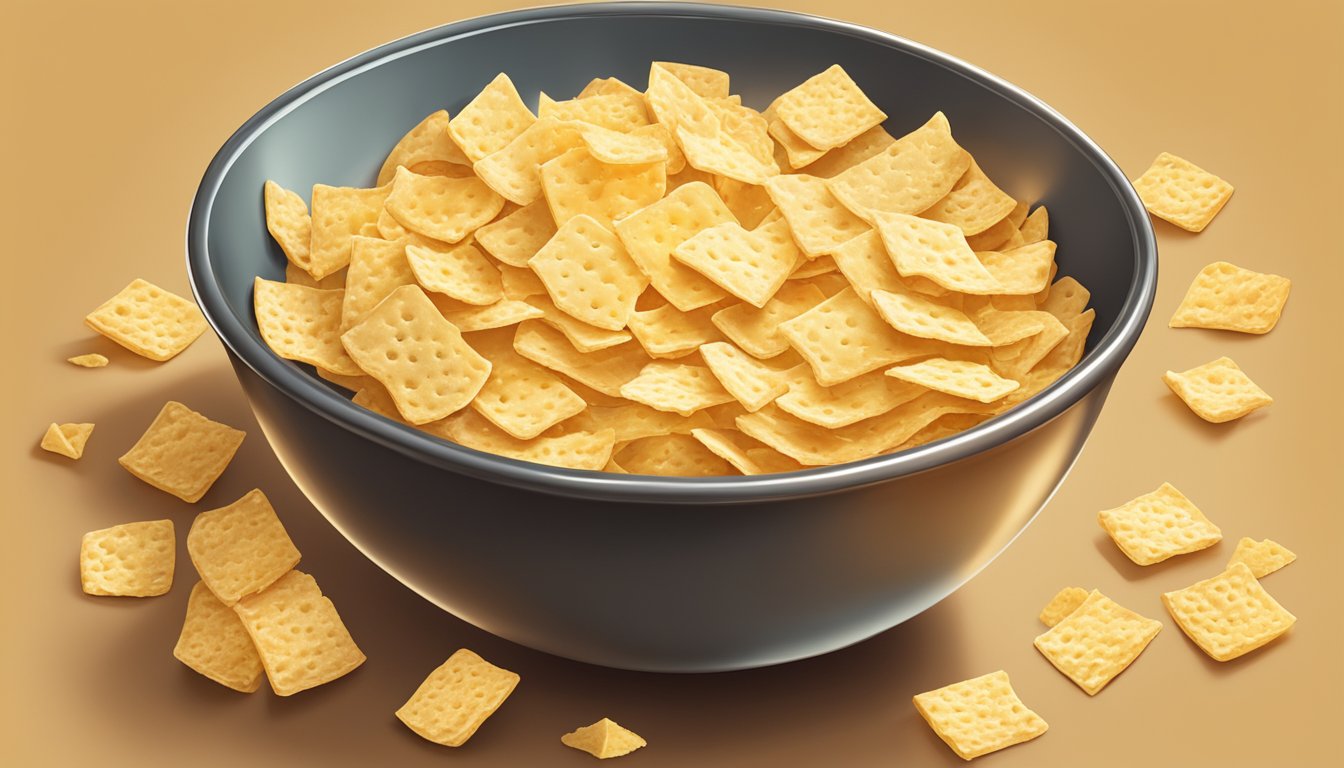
(653,573)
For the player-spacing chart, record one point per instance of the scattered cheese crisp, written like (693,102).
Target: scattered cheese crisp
(1218,391)
(148,320)
(67,439)
(457,698)
(1262,557)
(1228,615)
(1159,525)
(604,739)
(979,716)
(1227,297)
(1065,602)
(298,634)
(240,549)
(91,360)
(182,452)
(535,285)
(215,643)
(129,560)
(1181,192)
(1096,641)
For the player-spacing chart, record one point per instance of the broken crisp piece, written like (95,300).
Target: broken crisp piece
(604,739)
(67,439)
(1065,602)
(1262,557)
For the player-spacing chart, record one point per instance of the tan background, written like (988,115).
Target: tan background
(111,116)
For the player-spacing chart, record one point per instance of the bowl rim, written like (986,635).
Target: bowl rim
(1096,368)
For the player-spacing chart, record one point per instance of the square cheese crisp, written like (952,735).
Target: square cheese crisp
(1181,192)
(241,549)
(457,698)
(980,715)
(1218,391)
(215,643)
(148,320)
(182,452)
(588,273)
(1159,525)
(298,634)
(303,324)
(843,338)
(651,234)
(407,345)
(1228,615)
(910,175)
(130,560)
(1097,641)
(1227,297)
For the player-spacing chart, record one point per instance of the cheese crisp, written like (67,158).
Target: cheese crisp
(673,282)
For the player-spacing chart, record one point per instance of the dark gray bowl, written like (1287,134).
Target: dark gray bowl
(663,573)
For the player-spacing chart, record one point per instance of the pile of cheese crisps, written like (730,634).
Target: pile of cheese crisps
(669,282)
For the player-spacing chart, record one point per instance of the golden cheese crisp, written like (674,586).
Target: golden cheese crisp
(575,450)
(67,439)
(751,265)
(148,320)
(747,379)
(377,268)
(858,149)
(90,360)
(299,636)
(909,176)
(1035,227)
(817,219)
(666,332)
(676,387)
(757,330)
(1227,297)
(1218,391)
(958,378)
(674,455)
(457,698)
(1097,641)
(577,183)
(868,267)
(916,315)
(974,204)
(935,251)
(303,324)
(441,207)
(604,739)
(863,397)
(421,358)
(1023,270)
(828,109)
(1065,602)
(1228,615)
(1067,299)
(1262,557)
(979,716)
(241,549)
(128,560)
(461,272)
(288,222)
(614,111)
(705,81)
(521,397)
(584,337)
(1181,192)
(340,214)
(797,153)
(182,452)
(842,338)
(428,142)
(651,235)
(214,643)
(1159,525)
(588,273)
(491,120)
(516,237)
(605,370)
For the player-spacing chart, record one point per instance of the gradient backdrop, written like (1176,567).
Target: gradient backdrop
(112,113)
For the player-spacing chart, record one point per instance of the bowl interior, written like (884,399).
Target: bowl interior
(337,128)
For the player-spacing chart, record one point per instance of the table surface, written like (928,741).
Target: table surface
(121,110)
